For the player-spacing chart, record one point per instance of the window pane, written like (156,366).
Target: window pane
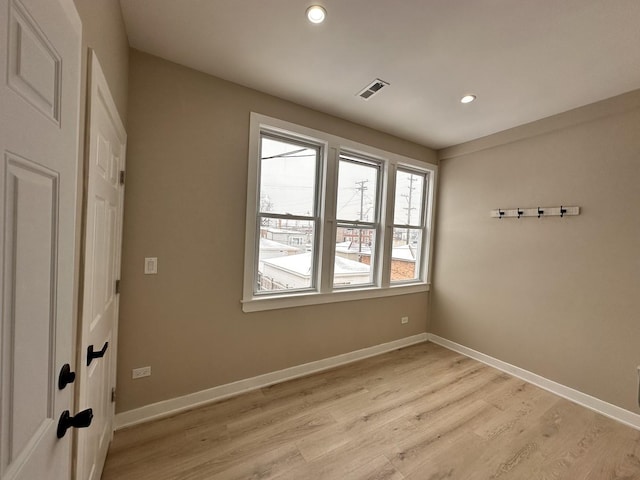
(285,260)
(355,257)
(287,177)
(357,191)
(405,254)
(409,198)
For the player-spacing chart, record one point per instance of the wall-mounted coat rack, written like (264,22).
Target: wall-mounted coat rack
(539,212)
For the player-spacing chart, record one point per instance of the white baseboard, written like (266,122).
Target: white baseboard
(620,414)
(176,405)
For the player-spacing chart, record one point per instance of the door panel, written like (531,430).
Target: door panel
(31,193)
(34,65)
(39,113)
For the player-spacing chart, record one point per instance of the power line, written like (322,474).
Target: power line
(288,154)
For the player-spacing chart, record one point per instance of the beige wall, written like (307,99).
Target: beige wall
(103,30)
(185,204)
(558,297)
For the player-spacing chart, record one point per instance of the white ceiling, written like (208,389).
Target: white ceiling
(525,60)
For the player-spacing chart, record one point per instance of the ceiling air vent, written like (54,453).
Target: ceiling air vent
(371,89)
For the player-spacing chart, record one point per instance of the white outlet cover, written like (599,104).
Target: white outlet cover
(140,372)
(150,265)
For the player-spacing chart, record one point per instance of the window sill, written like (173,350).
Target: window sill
(258,304)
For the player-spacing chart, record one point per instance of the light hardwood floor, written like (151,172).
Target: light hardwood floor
(422,412)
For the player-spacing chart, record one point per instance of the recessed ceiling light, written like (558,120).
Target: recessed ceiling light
(467,99)
(316,14)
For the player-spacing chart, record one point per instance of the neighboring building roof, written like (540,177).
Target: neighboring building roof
(272,245)
(352,247)
(301,265)
(344,266)
(281,230)
(402,252)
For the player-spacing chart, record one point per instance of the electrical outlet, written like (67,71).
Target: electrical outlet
(140,372)
(404,320)
(151,265)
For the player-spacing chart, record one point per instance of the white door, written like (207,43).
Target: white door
(102,241)
(40,45)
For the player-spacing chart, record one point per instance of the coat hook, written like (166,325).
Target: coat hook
(520,212)
(562,211)
(500,213)
(540,212)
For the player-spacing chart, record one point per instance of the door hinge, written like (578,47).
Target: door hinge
(113,394)
(117,287)
(121,177)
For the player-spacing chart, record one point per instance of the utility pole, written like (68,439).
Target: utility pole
(362,187)
(409,207)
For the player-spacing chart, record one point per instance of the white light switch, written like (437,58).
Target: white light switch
(150,265)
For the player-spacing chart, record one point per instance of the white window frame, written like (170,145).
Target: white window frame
(331,147)
(316,217)
(375,224)
(424,226)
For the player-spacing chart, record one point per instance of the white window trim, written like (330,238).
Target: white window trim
(424,223)
(332,146)
(377,224)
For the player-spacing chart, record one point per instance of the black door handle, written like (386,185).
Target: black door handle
(99,354)
(66,376)
(81,420)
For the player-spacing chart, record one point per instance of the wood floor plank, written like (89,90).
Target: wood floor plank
(290,407)
(338,464)
(263,466)
(378,469)
(404,390)
(527,402)
(419,413)
(353,430)
(451,460)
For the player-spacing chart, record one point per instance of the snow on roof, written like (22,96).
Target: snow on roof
(281,230)
(404,252)
(344,266)
(401,252)
(301,265)
(272,245)
(352,247)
